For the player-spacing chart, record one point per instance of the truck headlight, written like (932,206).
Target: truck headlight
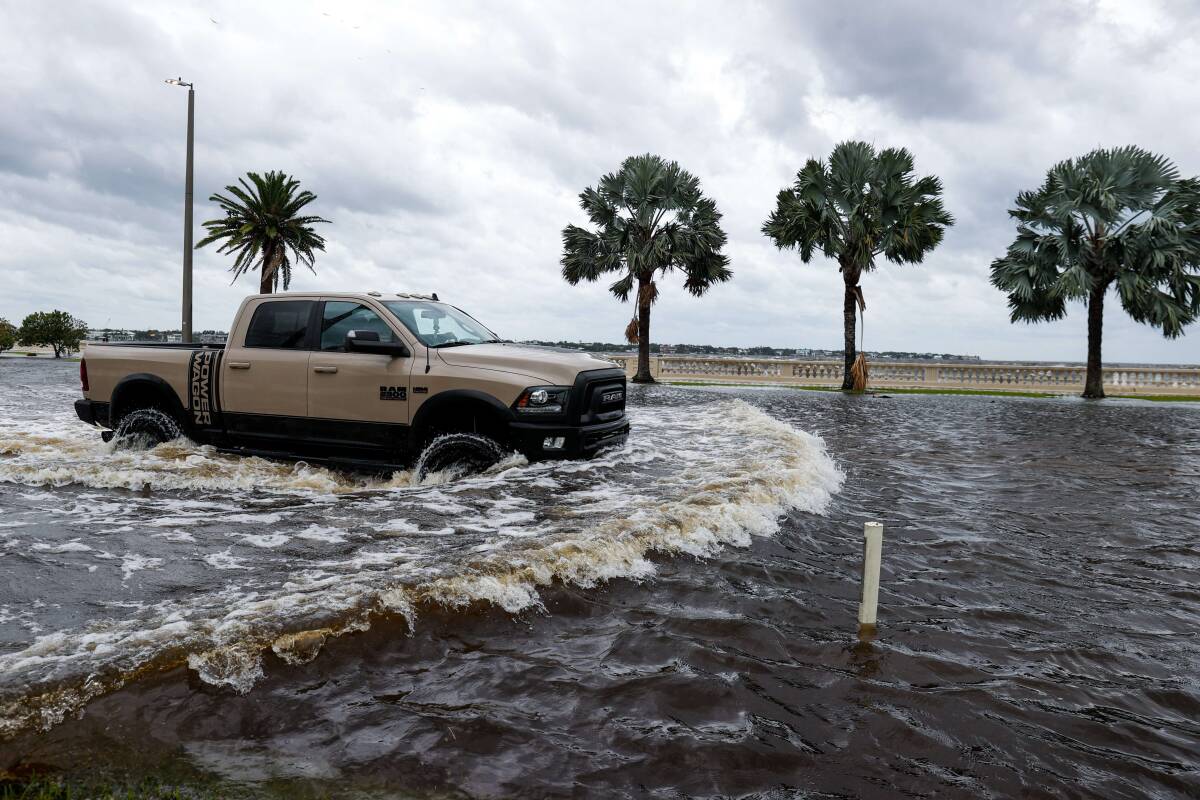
(542,400)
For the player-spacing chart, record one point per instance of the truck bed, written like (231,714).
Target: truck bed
(166,362)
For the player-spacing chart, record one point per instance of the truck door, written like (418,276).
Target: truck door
(264,374)
(358,402)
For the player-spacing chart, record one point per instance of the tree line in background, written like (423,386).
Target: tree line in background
(1115,217)
(55,329)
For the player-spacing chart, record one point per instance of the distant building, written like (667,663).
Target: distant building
(109,335)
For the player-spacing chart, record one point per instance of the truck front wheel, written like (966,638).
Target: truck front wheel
(144,428)
(460,454)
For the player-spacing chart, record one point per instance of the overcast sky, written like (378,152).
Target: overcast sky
(448,142)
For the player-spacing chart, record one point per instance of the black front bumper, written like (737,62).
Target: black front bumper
(579,441)
(92,412)
(593,419)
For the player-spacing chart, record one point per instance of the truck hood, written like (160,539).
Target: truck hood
(552,367)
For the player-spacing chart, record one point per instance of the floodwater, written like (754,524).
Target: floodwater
(673,619)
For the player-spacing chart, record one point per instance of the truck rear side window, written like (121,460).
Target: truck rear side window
(281,324)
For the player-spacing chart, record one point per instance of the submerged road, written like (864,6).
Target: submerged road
(674,619)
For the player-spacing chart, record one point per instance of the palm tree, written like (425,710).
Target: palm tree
(650,217)
(262,225)
(1118,217)
(859,205)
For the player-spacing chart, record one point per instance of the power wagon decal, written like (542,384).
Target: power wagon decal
(205,403)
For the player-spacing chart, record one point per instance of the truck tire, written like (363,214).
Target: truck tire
(144,428)
(459,453)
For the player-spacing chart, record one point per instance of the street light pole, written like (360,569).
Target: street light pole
(187,212)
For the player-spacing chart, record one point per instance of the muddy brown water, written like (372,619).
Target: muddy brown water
(675,619)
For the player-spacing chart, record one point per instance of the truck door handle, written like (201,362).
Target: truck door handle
(326,370)
(239,365)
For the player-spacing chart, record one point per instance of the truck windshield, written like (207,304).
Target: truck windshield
(439,325)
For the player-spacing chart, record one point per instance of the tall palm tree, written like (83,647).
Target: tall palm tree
(262,223)
(855,207)
(1118,217)
(650,217)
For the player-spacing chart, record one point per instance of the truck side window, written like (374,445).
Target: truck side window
(341,317)
(281,324)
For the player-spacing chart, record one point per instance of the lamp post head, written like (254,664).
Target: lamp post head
(178,82)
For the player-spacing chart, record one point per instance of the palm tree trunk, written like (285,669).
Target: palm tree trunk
(643,371)
(849,310)
(266,281)
(1094,387)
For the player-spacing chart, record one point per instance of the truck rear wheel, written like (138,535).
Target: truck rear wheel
(144,428)
(460,454)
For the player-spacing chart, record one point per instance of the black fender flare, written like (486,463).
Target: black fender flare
(142,381)
(431,407)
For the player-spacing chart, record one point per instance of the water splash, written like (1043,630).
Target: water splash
(283,557)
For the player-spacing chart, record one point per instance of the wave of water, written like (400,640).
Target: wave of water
(183,555)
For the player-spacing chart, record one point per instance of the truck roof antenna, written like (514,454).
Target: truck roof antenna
(435,297)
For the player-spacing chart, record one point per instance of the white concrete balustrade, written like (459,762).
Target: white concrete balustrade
(900,375)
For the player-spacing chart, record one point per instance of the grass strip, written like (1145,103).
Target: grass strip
(55,788)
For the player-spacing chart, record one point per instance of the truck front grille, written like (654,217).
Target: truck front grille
(601,395)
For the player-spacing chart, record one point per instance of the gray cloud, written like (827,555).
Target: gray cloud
(449,146)
(937,58)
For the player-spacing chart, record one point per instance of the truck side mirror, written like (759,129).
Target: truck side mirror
(368,342)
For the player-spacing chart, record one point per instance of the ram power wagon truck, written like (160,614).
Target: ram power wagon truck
(366,380)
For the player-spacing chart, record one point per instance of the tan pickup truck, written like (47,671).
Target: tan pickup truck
(362,379)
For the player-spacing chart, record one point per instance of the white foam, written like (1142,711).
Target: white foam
(321,533)
(224,560)
(237,668)
(73,546)
(266,540)
(134,562)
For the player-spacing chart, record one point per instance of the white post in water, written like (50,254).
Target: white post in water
(872,552)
